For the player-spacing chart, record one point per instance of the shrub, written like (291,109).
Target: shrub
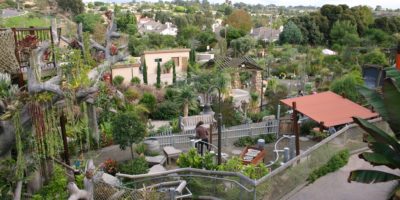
(258,116)
(56,188)
(135,80)
(103,8)
(110,166)
(252,171)
(194,160)
(131,94)
(249,141)
(118,80)
(337,161)
(307,126)
(148,100)
(136,166)
(166,110)
(170,94)
(318,135)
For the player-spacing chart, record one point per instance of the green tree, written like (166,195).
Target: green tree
(144,71)
(76,7)
(187,97)
(242,45)
(127,129)
(89,21)
(241,20)
(173,73)
(346,86)
(291,34)
(343,32)
(375,57)
(158,84)
(192,63)
(231,34)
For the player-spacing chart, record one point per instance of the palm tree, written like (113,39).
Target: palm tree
(187,97)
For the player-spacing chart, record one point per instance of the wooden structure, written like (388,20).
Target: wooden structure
(259,157)
(190,122)
(35,36)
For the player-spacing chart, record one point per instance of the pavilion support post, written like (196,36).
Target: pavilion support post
(211,136)
(321,126)
(296,127)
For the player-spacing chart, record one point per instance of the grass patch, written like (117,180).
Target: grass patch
(27,21)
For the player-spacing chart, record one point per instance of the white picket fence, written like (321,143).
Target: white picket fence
(182,139)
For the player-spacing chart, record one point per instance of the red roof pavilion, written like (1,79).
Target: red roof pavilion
(329,108)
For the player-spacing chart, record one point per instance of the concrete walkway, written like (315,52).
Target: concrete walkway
(334,186)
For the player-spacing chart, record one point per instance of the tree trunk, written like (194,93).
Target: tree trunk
(185,109)
(132,151)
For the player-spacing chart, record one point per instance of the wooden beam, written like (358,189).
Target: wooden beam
(296,127)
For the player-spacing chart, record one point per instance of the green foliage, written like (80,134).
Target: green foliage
(236,165)
(179,9)
(148,100)
(231,34)
(375,57)
(337,161)
(249,141)
(230,116)
(79,181)
(136,166)
(118,80)
(56,188)
(26,21)
(173,73)
(195,160)
(158,84)
(8,179)
(258,116)
(89,21)
(131,94)
(344,33)
(140,148)
(242,45)
(127,129)
(166,110)
(144,71)
(76,7)
(291,34)
(346,86)
(135,81)
(126,22)
(318,135)
(307,126)
(151,41)
(240,20)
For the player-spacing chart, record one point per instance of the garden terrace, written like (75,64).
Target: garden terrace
(276,185)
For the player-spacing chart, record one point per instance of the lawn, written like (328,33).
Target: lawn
(26,21)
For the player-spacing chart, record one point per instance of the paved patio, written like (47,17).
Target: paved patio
(334,186)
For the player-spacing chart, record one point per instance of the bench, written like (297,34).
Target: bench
(189,123)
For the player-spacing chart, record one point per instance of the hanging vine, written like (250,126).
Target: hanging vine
(20,165)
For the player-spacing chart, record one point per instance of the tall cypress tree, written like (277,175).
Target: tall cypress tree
(192,62)
(158,85)
(144,72)
(173,72)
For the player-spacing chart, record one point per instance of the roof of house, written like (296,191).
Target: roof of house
(329,108)
(228,62)
(155,26)
(264,33)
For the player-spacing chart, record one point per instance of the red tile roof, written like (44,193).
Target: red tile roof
(330,108)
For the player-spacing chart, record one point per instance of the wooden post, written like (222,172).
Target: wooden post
(63,122)
(321,127)
(296,127)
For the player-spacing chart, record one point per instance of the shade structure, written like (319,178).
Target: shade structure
(329,108)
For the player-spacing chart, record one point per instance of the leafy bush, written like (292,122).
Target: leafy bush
(249,141)
(318,135)
(235,164)
(106,134)
(131,94)
(258,116)
(148,100)
(140,148)
(135,80)
(171,94)
(166,110)
(194,160)
(118,80)
(56,188)
(337,161)
(136,166)
(307,126)
(110,166)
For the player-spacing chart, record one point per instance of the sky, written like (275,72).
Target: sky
(394,4)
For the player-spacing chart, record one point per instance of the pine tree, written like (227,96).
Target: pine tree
(173,72)
(158,85)
(145,73)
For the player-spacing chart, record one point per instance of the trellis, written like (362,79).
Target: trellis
(8,61)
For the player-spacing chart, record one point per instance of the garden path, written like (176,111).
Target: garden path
(334,186)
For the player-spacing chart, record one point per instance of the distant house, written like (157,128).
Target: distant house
(266,34)
(148,25)
(179,56)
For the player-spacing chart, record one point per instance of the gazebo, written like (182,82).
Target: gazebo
(328,109)
(241,64)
